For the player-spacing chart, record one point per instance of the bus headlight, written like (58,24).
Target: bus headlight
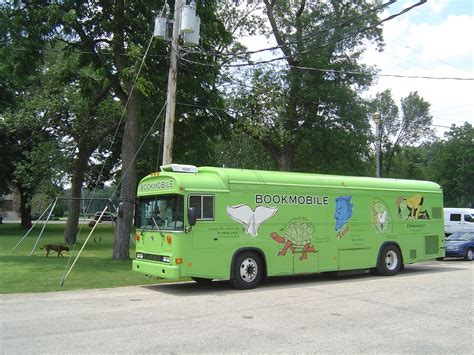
(139,256)
(166,259)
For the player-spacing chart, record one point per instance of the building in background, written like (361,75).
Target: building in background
(10,206)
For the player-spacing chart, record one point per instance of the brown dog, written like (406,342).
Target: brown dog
(56,247)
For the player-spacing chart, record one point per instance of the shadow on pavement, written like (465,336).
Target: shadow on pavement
(192,288)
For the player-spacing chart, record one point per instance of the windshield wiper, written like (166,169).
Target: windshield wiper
(157,227)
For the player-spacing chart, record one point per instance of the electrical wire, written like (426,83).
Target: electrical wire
(75,52)
(312,35)
(230,111)
(334,71)
(421,2)
(421,52)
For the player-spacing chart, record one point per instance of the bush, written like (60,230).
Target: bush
(58,210)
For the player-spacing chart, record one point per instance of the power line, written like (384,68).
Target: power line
(340,24)
(232,111)
(421,52)
(334,71)
(451,108)
(386,75)
(75,52)
(421,2)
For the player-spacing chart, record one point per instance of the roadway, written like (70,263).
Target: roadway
(428,308)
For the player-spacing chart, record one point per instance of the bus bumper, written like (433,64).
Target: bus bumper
(156,269)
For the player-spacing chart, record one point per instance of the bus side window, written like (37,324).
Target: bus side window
(204,205)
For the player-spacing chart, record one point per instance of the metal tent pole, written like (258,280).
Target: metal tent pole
(83,246)
(33,226)
(44,226)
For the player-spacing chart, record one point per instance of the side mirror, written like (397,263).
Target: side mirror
(192,216)
(120,210)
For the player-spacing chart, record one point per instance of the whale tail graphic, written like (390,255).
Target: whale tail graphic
(251,219)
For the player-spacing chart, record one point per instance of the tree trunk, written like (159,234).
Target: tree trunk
(129,179)
(80,166)
(25,209)
(283,157)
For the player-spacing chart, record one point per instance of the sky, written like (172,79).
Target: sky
(435,40)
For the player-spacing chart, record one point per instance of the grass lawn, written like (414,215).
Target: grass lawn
(94,268)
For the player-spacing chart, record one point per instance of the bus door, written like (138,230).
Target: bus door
(204,233)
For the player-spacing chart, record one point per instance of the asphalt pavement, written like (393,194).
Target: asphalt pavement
(427,309)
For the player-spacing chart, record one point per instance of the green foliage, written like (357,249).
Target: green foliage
(447,162)
(452,166)
(401,128)
(7,150)
(286,109)
(413,162)
(239,150)
(58,210)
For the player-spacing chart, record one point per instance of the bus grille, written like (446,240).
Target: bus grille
(153,257)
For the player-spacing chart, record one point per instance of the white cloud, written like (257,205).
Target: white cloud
(437,6)
(435,50)
(449,40)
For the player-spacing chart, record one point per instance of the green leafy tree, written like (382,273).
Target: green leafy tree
(318,89)
(35,166)
(452,166)
(112,38)
(28,149)
(400,128)
(83,116)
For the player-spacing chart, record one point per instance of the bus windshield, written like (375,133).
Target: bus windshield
(164,212)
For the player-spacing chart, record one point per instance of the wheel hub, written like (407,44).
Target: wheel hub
(391,260)
(248,270)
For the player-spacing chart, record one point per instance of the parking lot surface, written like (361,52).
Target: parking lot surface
(428,308)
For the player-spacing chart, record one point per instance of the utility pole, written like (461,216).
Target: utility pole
(172,79)
(377,119)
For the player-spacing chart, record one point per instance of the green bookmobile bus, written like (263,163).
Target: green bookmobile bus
(244,225)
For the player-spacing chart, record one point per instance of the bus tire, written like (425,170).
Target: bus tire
(202,280)
(247,270)
(469,254)
(390,261)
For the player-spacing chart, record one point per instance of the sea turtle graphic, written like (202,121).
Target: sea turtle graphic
(298,234)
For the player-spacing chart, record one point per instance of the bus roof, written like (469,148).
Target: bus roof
(225,179)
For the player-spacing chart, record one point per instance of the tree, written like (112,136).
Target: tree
(112,38)
(319,88)
(27,149)
(82,115)
(36,156)
(452,166)
(401,128)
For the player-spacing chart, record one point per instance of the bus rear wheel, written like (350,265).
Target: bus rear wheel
(390,261)
(247,270)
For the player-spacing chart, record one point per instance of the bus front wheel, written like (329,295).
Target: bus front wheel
(247,270)
(390,261)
